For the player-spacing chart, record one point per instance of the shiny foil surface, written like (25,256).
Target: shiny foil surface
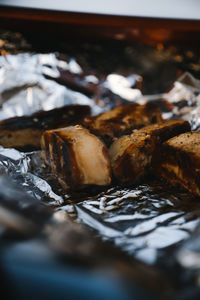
(149,220)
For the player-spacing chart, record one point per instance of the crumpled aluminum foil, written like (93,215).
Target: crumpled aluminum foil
(149,220)
(24,89)
(144,220)
(16,165)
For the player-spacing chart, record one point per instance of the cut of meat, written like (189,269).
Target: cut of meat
(179,161)
(78,157)
(132,155)
(122,120)
(24,133)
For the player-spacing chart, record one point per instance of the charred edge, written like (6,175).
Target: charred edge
(106,155)
(184,162)
(164,133)
(56,151)
(70,168)
(125,110)
(174,130)
(45,147)
(153,114)
(48,119)
(124,166)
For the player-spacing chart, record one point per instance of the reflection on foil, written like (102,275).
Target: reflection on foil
(147,219)
(188,255)
(181,102)
(144,220)
(185,96)
(19,212)
(24,89)
(122,86)
(16,165)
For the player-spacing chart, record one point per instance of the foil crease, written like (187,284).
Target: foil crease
(25,90)
(16,165)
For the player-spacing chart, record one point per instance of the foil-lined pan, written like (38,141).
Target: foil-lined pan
(149,221)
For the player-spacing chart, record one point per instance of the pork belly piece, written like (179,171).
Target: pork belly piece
(179,162)
(122,120)
(78,157)
(24,133)
(132,155)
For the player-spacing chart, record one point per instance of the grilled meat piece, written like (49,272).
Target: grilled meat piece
(179,161)
(24,133)
(166,130)
(78,157)
(122,120)
(131,156)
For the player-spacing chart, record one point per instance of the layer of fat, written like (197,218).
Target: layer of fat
(118,147)
(89,151)
(175,169)
(91,159)
(179,173)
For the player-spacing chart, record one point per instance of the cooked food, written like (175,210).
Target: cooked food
(166,130)
(180,161)
(24,133)
(131,155)
(78,157)
(122,120)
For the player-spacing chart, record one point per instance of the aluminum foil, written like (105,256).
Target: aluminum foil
(149,220)
(25,90)
(144,220)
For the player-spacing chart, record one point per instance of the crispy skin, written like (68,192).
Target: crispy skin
(179,161)
(132,155)
(122,120)
(24,133)
(78,157)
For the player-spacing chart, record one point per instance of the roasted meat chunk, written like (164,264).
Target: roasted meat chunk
(166,130)
(24,133)
(179,162)
(131,155)
(78,157)
(122,120)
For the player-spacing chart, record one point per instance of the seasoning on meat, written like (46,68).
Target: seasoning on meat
(179,161)
(132,155)
(122,120)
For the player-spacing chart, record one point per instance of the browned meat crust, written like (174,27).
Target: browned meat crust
(78,157)
(132,155)
(24,133)
(166,130)
(179,161)
(122,120)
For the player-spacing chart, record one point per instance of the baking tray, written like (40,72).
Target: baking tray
(133,21)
